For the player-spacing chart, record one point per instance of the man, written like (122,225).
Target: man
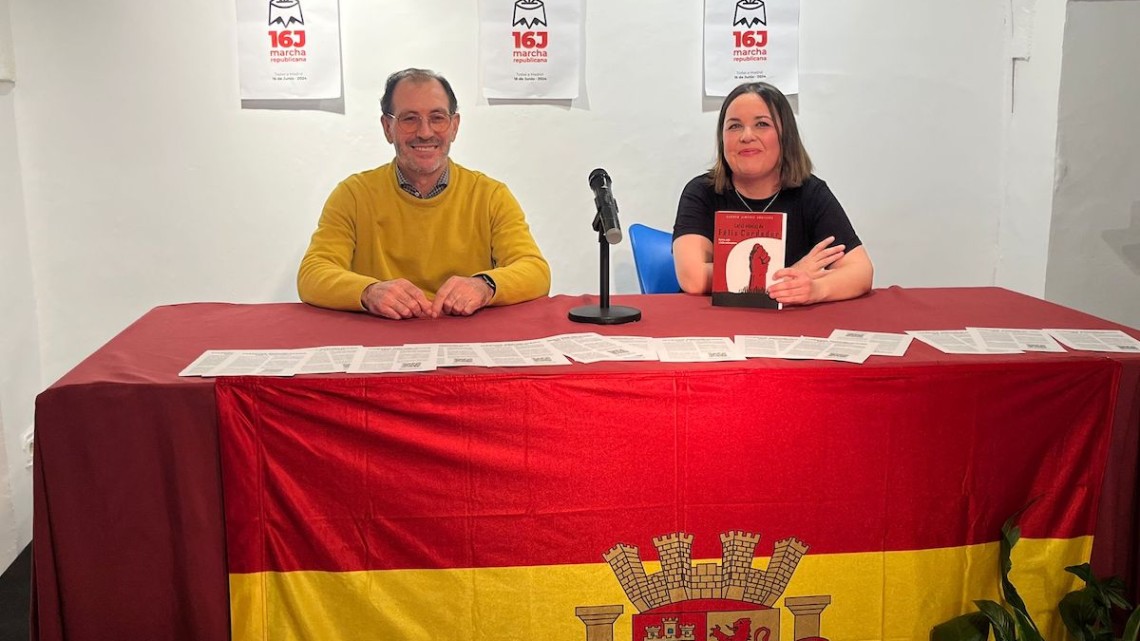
(421,236)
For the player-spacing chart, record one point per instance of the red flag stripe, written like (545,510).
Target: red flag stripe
(373,473)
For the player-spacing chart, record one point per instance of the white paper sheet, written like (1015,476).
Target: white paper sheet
(288,49)
(592,348)
(640,346)
(956,341)
(696,349)
(886,343)
(523,354)
(279,362)
(205,363)
(530,48)
(761,346)
(461,355)
(751,41)
(822,349)
(328,360)
(1022,340)
(406,358)
(1096,340)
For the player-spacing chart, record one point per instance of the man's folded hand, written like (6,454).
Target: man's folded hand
(461,296)
(395,299)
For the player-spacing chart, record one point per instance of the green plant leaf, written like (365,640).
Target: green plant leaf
(1132,627)
(1003,624)
(1114,590)
(1083,572)
(968,627)
(1079,612)
(1010,534)
(1026,628)
(1087,612)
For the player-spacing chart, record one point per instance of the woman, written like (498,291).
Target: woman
(761,166)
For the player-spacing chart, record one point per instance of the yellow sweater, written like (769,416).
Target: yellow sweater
(371,230)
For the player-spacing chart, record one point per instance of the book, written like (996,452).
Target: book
(748,248)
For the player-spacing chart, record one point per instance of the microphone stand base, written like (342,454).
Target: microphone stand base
(612,315)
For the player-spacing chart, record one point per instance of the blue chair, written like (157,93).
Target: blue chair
(653,257)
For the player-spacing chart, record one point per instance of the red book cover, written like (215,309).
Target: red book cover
(748,248)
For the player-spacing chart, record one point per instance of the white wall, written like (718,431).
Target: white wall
(903,120)
(1033,78)
(146,183)
(19,351)
(1094,248)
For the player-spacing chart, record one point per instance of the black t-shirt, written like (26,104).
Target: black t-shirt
(813,214)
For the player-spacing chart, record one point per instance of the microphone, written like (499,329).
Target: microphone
(606,221)
(609,233)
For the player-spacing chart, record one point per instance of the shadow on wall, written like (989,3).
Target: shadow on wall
(1126,242)
(333,105)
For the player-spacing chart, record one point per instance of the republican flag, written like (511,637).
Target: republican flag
(719,504)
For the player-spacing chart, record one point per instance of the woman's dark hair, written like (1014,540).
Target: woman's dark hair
(795,164)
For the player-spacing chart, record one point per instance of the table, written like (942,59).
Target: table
(129,528)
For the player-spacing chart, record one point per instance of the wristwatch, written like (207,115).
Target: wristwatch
(490,283)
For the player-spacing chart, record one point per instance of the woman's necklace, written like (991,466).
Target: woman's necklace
(770,200)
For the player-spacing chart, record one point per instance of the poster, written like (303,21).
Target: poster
(751,41)
(288,49)
(530,48)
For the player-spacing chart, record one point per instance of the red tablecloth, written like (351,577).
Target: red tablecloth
(129,532)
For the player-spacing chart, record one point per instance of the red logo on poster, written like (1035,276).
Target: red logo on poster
(751,38)
(530,46)
(286,45)
(748,45)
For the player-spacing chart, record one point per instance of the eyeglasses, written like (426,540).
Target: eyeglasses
(410,123)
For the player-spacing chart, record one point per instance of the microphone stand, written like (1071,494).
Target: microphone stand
(603,313)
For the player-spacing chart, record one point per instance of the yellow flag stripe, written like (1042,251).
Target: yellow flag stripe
(880,596)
